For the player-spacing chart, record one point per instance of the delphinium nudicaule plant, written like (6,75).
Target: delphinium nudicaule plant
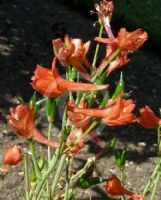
(82,114)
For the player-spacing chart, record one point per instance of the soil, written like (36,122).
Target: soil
(26,31)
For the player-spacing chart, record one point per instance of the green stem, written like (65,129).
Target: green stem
(159,164)
(49,138)
(92,126)
(26,175)
(155,186)
(150,182)
(97,48)
(37,170)
(52,165)
(68,177)
(58,174)
(157,170)
(122,181)
(113,56)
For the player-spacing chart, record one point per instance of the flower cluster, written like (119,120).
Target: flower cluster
(83,112)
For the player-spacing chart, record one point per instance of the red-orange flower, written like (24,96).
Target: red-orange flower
(12,156)
(114,188)
(72,52)
(126,42)
(51,84)
(21,121)
(118,112)
(79,120)
(148,118)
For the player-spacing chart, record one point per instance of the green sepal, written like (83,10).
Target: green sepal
(119,88)
(41,164)
(120,158)
(85,183)
(51,108)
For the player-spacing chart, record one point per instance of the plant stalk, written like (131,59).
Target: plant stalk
(37,170)
(26,172)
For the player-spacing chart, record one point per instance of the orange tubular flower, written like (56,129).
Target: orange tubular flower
(12,156)
(21,121)
(126,42)
(79,120)
(118,112)
(148,118)
(72,52)
(51,84)
(114,188)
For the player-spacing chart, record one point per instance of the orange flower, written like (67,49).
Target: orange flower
(12,156)
(72,52)
(114,188)
(79,120)
(118,112)
(51,84)
(21,121)
(126,42)
(148,118)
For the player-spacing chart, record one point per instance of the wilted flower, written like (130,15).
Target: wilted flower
(12,156)
(51,84)
(148,118)
(21,121)
(105,11)
(114,187)
(72,52)
(118,112)
(75,140)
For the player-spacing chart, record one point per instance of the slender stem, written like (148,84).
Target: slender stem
(157,170)
(58,173)
(52,165)
(113,56)
(37,170)
(150,182)
(26,175)
(159,164)
(97,48)
(49,138)
(92,126)
(156,185)
(50,124)
(122,181)
(87,165)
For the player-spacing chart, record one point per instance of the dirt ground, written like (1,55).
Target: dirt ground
(26,31)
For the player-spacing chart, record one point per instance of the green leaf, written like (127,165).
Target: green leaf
(85,183)
(120,158)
